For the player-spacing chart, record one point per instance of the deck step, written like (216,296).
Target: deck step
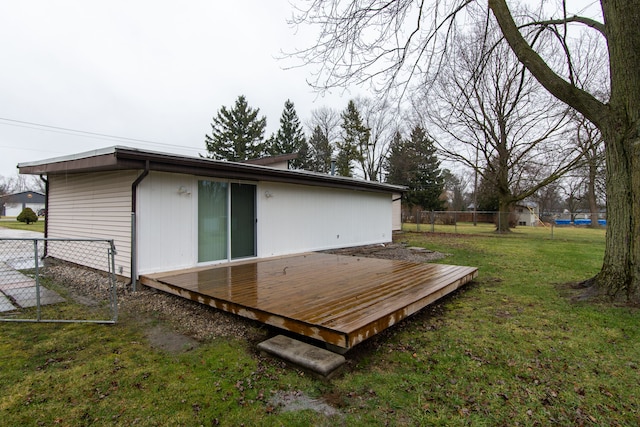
(309,357)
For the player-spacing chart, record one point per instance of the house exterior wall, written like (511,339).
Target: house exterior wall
(166,222)
(294,218)
(93,205)
(291,219)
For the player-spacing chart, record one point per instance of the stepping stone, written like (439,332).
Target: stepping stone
(26,297)
(14,279)
(22,263)
(5,304)
(316,360)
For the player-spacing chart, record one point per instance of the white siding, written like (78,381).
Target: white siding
(166,222)
(396,207)
(291,218)
(95,205)
(294,218)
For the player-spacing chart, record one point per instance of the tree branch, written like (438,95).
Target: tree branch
(591,23)
(575,97)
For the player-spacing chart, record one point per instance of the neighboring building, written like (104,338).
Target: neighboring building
(13,204)
(527,214)
(168,212)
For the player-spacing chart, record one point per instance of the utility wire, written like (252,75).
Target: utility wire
(69,131)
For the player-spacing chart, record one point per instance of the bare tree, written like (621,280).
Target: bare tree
(324,128)
(492,116)
(589,139)
(573,187)
(381,117)
(387,42)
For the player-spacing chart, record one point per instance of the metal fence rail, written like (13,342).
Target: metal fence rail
(57,280)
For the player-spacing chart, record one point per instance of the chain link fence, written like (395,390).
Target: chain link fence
(449,221)
(57,280)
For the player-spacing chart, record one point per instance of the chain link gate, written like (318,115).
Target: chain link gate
(57,280)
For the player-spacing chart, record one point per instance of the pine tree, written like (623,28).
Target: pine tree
(236,134)
(414,163)
(399,161)
(355,137)
(290,138)
(320,151)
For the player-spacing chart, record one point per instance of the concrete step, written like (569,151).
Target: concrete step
(315,360)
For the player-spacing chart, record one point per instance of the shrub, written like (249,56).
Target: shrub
(27,215)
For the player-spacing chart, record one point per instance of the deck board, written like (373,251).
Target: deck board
(339,299)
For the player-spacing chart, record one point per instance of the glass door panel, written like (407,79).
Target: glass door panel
(212,221)
(243,220)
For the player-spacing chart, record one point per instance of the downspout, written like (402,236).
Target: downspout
(46,212)
(134,246)
(46,205)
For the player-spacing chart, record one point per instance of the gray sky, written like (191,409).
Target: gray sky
(149,70)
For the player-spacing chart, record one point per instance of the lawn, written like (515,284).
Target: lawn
(15,225)
(513,348)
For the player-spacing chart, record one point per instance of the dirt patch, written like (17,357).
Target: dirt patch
(298,401)
(398,251)
(169,341)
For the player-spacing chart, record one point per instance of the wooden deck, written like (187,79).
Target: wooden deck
(341,300)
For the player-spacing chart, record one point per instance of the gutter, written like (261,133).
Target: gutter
(134,246)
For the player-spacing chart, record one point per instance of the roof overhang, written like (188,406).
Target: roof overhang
(126,158)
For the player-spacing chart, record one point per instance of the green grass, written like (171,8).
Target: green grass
(15,225)
(512,348)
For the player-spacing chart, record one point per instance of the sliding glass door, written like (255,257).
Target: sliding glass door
(243,221)
(226,221)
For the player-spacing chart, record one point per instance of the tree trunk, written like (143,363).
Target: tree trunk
(504,214)
(620,274)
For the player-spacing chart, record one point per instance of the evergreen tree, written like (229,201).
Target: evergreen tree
(236,134)
(355,137)
(290,138)
(399,161)
(414,163)
(320,151)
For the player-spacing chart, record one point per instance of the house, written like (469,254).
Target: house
(168,212)
(527,214)
(13,204)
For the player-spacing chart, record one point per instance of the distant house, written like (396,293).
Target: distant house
(527,214)
(168,212)
(13,204)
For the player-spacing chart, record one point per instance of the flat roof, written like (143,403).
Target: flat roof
(126,158)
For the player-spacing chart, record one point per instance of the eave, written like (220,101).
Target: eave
(125,158)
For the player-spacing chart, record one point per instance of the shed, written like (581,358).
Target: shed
(13,204)
(169,212)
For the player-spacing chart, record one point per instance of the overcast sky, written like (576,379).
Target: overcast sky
(150,70)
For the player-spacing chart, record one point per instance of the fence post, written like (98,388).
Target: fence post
(455,221)
(418,220)
(433,221)
(35,261)
(114,295)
